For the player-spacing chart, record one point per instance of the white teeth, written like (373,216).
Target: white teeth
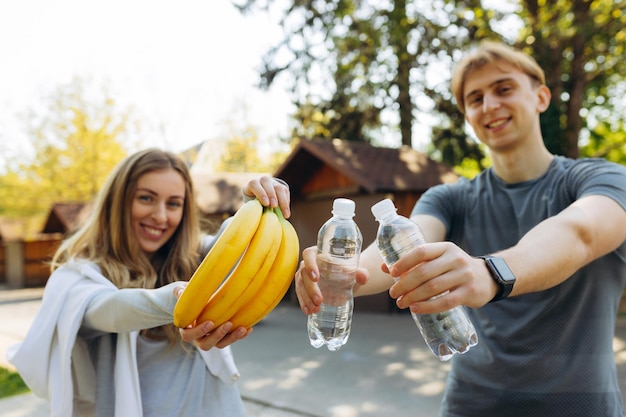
(497,123)
(153,232)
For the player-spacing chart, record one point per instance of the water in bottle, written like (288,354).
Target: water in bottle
(338,249)
(446,333)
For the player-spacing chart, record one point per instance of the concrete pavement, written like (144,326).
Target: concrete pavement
(384,370)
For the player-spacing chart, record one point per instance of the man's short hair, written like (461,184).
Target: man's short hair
(488,52)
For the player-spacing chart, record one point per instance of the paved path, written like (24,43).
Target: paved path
(384,370)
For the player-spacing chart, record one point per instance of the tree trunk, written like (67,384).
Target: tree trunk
(405,63)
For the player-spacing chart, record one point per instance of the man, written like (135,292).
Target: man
(545,307)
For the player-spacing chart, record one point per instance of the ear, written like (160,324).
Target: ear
(544,95)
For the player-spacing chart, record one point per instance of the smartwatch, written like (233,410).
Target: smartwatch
(501,274)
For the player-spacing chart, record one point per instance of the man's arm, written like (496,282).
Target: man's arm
(546,256)
(557,247)
(371,278)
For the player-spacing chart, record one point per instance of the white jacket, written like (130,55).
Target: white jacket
(55,363)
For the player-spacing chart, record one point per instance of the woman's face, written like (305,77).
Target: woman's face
(157,208)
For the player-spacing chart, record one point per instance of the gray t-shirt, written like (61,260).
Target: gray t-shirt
(547,353)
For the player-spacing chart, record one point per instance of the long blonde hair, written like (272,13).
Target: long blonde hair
(105,239)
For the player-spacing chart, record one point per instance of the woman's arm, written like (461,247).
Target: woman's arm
(130,309)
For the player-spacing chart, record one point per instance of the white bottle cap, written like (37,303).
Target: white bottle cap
(383,208)
(343,207)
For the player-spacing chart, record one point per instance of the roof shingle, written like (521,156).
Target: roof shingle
(375,169)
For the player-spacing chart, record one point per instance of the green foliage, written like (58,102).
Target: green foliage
(77,140)
(11,383)
(470,167)
(606,142)
(450,142)
(551,130)
(362,70)
(358,68)
(243,151)
(241,154)
(580,44)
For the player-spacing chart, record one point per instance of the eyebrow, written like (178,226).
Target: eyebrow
(496,82)
(148,190)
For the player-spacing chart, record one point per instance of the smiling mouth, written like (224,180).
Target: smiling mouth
(497,123)
(154,232)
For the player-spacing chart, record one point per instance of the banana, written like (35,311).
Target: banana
(248,277)
(278,280)
(218,263)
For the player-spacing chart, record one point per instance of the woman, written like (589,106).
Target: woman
(103,342)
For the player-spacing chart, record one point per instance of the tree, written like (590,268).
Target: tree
(380,59)
(581,45)
(241,154)
(358,65)
(363,69)
(244,151)
(77,140)
(606,141)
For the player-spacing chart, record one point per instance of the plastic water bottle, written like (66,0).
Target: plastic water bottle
(338,249)
(446,333)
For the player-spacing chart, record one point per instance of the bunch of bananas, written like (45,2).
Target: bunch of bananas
(245,274)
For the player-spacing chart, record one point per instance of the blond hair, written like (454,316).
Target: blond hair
(104,239)
(490,52)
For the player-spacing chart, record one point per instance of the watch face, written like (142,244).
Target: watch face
(505,273)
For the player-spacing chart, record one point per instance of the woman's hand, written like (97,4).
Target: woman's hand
(205,335)
(272,192)
(307,277)
(307,288)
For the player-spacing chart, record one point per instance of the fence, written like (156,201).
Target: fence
(26,263)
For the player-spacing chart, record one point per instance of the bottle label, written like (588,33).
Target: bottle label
(342,247)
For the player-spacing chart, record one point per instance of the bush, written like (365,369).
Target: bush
(11,383)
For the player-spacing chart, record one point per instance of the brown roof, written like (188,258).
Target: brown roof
(65,217)
(374,169)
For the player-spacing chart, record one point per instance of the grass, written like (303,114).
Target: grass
(11,383)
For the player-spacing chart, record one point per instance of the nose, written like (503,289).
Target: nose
(159,213)
(490,102)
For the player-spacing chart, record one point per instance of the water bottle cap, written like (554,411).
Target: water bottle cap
(343,207)
(383,208)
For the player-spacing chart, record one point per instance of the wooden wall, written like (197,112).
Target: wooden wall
(26,263)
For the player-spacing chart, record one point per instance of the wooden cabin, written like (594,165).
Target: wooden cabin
(318,171)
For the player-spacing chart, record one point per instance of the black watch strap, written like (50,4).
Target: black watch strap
(501,274)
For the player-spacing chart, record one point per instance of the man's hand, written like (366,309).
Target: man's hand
(444,269)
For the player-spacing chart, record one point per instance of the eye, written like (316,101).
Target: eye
(505,89)
(474,100)
(175,204)
(145,198)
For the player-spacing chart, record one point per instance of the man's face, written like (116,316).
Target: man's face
(502,104)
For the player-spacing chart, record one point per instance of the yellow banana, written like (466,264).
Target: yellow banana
(278,280)
(218,263)
(245,281)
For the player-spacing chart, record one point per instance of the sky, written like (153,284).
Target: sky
(186,67)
